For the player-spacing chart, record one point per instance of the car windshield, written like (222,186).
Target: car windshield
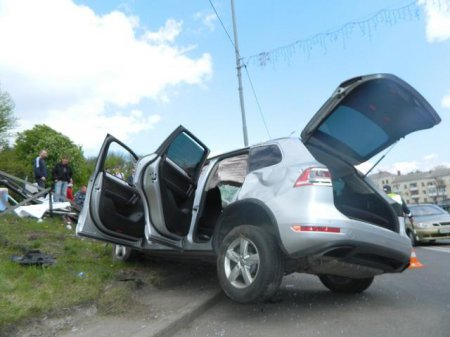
(426,210)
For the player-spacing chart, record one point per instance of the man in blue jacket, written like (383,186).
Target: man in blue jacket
(40,169)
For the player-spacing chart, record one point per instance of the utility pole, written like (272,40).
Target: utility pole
(238,67)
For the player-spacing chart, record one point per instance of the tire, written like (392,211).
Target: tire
(123,253)
(412,238)
(249,264)
(346,285)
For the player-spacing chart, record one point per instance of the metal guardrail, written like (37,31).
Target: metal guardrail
(14,183)
(26,201)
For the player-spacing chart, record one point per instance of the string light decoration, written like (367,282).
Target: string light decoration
(384,17)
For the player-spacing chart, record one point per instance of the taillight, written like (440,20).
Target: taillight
(310,228)
(314,176)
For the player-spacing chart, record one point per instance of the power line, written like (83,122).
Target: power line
(245,67)
(223,26)
(257,101)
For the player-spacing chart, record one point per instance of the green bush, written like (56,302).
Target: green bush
(30,142)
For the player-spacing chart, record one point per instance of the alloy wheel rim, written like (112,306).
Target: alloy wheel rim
(120,251)
(241,263)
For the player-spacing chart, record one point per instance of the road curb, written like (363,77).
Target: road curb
(187,317)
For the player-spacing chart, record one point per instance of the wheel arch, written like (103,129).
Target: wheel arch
(245,212)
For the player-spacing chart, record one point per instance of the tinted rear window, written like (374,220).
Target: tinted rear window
(372,116)
(350,127)
(263,156)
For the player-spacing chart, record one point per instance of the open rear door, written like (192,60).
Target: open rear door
(367,114)
(113,210)
(167,181)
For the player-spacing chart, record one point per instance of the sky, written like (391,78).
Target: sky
(137,69)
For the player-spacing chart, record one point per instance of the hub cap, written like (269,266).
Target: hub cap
(241,262)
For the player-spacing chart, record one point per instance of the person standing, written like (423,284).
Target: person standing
(40,169)
(399,200)
(62,174)
(69,194)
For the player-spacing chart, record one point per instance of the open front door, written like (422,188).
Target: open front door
(167,180)
(113,210)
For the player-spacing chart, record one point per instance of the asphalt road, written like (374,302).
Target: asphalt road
(415,303)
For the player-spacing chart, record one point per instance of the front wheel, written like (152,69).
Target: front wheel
(123,253)
(249,264)
(347,285)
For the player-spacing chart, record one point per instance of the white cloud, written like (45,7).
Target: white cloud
(437,27)
(437,19)
(427,163)
(168,33)
(85,74)
(430,156)
(208,19)
(412,166)
(445,102)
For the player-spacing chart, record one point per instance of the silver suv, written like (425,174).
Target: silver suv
(283,206)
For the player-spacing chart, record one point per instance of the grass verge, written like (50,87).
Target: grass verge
(82,271)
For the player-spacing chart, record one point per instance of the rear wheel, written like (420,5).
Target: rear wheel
(347,285)
(249,265)
(123,253)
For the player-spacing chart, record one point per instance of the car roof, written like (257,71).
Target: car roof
(294,151)
(244,149)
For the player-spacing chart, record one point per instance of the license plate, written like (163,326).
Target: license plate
(444,231)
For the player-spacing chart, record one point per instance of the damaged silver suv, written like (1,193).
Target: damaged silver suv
(283,206)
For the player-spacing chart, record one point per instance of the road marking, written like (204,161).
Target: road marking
(437,249)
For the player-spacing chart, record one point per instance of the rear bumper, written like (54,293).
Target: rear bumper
(356,261)
(359,250)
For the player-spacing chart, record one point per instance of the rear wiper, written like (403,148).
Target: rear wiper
(381,158)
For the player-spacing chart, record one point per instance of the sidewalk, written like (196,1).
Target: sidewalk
(163,313)
(186,290)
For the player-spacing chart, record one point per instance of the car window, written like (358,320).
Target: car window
(186,153)
(231,170)
(344,119)
(426,210)
(119,162)
(228,192)
(264,156)
(229,175)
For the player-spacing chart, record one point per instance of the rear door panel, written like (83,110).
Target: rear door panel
(168,184)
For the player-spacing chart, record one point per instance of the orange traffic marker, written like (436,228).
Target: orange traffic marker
(414,261)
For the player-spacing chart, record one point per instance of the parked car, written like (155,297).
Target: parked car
(430,223)
(283,206)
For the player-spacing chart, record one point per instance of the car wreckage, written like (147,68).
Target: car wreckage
(283,206)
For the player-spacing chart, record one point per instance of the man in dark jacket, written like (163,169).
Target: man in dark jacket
(62,174)
(40,169)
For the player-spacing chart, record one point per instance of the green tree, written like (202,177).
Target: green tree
(7,120)
(11,163)
(30,142)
